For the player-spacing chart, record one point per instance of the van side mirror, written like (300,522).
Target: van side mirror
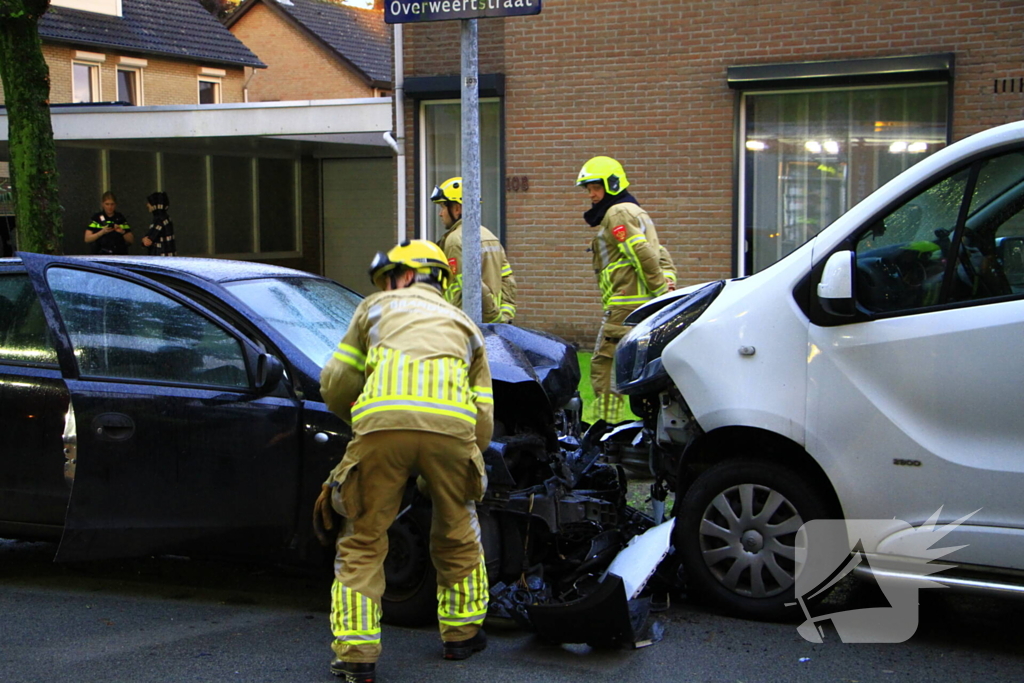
(835,291)
(269,371)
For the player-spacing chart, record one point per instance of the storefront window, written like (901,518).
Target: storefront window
(808,156)
(442,158)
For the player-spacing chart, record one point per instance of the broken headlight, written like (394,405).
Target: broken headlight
(638,367)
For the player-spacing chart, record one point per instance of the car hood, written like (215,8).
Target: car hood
(517,355)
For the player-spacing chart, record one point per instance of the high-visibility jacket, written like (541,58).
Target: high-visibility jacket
(112,242)
(626,255)
(498,284)
(668,266)
(409,360)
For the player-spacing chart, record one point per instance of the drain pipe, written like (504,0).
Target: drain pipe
(397,141)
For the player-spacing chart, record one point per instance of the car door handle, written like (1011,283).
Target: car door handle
(113,427)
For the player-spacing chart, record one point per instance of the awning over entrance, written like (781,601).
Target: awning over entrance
(314,127)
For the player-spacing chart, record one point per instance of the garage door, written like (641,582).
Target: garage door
(359,217)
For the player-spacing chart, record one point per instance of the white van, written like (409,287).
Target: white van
(877,372)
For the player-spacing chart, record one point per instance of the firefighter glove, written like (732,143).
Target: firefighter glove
(323,515)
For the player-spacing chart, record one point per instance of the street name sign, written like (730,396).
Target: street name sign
(404,11)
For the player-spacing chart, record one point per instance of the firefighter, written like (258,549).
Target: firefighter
(629,263)
(411,377)
(498,285)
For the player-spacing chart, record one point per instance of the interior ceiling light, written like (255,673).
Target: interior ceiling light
(756,145)
(898,147)
(831,146)
(812,146)
(917,147)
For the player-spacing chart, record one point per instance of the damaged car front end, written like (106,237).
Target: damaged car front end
(554,518)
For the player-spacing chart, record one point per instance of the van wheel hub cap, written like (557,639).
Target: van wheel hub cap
(747,540)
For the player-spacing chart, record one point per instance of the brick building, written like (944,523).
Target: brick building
(744,127)
(267,181)
(314,50)
(141,52)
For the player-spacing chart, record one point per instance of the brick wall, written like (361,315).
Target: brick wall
(646,83)
(164,81)
(298,67)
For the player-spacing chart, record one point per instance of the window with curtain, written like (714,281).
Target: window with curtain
(807,156)
(85,82)
(129,86)
(441,158)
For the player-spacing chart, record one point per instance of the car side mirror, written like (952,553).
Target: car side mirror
(269,371)
(835,291)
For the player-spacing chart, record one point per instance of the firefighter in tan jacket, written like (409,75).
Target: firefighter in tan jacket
(630,265)
(498,286)
(411,377)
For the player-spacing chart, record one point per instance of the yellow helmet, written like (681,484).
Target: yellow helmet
(604,170)
(426,258)
(448,191)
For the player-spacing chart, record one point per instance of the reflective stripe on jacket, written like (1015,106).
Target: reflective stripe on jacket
(411,361)
(627,258)
(498,284)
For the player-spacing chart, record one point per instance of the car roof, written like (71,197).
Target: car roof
(210,269)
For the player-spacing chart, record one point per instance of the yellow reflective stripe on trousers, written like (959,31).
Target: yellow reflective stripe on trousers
(351,356)
(355,618)
(610,407)
(466,601)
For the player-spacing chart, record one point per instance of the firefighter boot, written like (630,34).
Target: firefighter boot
(354,672)
(463,649)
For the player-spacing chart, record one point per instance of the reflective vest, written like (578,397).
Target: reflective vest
(498,285)
(627,258)
(409,360)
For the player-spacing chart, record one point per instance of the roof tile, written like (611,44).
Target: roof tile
(358,35)
(175,28)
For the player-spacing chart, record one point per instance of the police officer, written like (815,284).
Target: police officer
(411,377)
(498,283)
(108,232)
(628,263)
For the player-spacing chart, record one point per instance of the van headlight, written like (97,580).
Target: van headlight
(638,368)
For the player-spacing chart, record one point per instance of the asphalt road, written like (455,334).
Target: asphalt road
(174,619)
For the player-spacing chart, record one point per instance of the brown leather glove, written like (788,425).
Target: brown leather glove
(323,515)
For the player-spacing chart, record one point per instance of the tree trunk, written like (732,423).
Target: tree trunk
(26,82)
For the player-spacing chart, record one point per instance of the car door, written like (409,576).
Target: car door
(33,406)
(177,449)
(915,404)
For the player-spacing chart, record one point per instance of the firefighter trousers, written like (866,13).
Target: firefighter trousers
(610,406)
(372,478)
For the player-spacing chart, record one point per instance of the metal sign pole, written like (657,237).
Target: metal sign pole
(471,290)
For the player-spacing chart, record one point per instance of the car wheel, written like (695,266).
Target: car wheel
(736,535)
(410,595)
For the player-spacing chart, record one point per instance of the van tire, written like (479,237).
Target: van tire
(763,582)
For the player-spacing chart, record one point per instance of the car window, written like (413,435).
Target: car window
(904,259)
(989,263)
(120,329)
(24,335)
(311,313)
